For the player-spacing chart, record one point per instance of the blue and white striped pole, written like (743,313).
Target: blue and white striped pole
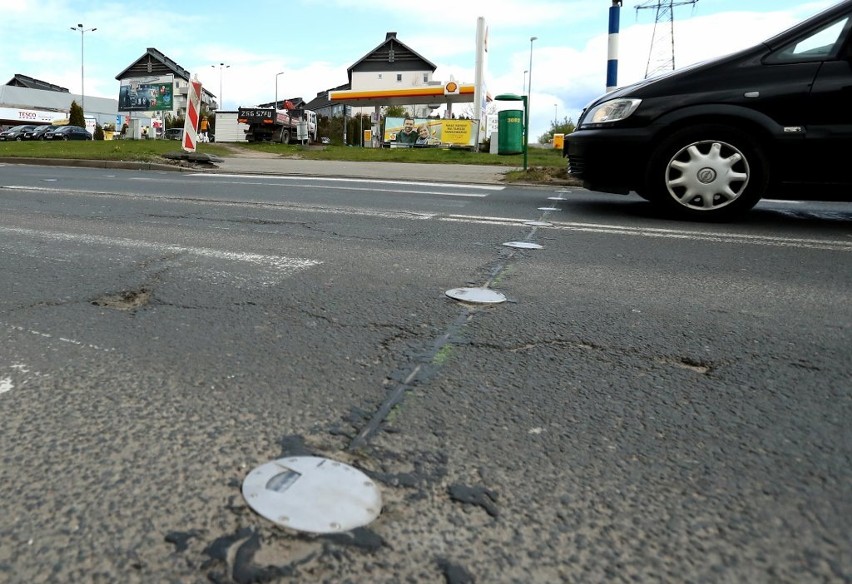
(612,56)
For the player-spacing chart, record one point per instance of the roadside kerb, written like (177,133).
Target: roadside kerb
(455,173)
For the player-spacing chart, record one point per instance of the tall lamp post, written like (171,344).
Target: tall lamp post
(527,106)
(221,66)
(83,32)
(555,110)
(524,87)
(276,88)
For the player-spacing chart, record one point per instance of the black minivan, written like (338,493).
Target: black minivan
(710,140)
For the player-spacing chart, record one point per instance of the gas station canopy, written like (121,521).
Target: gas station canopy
(450,92)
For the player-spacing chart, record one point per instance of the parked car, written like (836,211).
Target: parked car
(68,133)
(709,141)
(37,133)
(174,134)
(15,133)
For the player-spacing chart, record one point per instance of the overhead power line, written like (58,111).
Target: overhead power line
(661,56)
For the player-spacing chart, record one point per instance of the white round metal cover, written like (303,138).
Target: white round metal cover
(476,295)
(538,223)
(548,209)
(522,245)
(313,494)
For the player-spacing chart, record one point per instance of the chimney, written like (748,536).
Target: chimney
(390,35)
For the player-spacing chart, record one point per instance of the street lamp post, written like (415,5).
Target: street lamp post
(555,110)
(83,32)
(527,106)
(221,66)
(524,87)
(276,88)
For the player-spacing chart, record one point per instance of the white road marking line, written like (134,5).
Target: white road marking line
(70,341)
(366,180)
(6,384)
(776,241)
(770,240)
(366,189)
(283,264)
(208,201)
(253,204)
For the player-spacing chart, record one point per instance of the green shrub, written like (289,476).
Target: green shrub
(75,116)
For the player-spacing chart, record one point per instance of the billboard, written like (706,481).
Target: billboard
(146,94)
(428,132)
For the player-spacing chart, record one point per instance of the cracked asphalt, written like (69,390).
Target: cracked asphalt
(654,403)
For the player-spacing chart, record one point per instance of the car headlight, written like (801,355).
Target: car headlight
(611,111)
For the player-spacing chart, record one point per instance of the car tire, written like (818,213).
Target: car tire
(709,172)
(285,136)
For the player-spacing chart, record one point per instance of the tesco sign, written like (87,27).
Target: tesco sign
(28,115)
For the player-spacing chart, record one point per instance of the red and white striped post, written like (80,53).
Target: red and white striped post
(193,114)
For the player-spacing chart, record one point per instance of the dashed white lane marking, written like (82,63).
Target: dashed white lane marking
(68,340)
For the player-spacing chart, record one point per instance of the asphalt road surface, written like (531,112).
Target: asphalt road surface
(656,401)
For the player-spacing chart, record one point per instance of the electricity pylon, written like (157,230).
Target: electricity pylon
(661,57)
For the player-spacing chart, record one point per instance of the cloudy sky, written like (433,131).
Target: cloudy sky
(313,42)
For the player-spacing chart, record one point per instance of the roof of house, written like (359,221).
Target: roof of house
(31,83)
(391,55)
(154,62)
(321,101)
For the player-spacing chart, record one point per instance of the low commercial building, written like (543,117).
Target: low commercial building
(25,100)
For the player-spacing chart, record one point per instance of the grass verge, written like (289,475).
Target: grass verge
(544,165)
(540,157)
(124,150)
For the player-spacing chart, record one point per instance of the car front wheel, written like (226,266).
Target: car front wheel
(708,172)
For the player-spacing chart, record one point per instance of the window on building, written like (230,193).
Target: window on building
(380,75)
(399,76)
(425,78)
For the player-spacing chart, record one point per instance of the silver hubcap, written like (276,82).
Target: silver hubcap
(707,175)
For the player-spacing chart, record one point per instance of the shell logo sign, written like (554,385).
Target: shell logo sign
(451,88)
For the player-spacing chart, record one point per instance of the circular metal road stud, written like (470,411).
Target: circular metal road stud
(312,494)
(476,295)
